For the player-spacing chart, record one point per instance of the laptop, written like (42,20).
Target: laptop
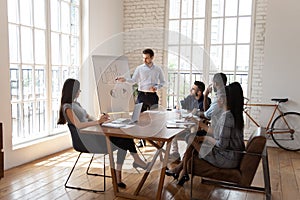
(134,118)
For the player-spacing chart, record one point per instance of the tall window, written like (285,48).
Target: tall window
(44,49)
(207,36)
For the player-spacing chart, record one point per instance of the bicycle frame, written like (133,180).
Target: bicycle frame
(276,108)
(284,133)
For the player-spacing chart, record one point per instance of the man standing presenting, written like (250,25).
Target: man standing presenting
(149,78)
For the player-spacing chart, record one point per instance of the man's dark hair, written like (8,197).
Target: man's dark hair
(149,51)
(200,85)
(219,77)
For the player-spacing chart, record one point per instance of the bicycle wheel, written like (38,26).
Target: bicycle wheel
(290,140)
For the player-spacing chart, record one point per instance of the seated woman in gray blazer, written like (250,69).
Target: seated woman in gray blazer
(72,112)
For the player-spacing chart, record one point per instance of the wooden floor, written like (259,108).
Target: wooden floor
(44,179)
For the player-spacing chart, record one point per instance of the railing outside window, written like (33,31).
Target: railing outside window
(187,80)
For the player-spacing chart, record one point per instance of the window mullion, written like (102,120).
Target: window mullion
(223,34)
(20,66)
(80,36)
(48,63)
(179,56)
(34,100)
(236,39)
(207,40)
(192,41)
(21,101)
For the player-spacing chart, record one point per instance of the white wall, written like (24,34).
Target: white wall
(282,52)
(104,23)
(103,13)
(4,79)
(144,27)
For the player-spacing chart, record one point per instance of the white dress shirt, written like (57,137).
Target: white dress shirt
(146,77)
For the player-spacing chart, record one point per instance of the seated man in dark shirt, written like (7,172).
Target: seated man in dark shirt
(194,101)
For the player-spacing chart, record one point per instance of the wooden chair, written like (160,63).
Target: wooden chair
(88,143)
(241,177)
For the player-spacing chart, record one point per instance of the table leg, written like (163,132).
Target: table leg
(112,165)
(158,145)
(163,171)
(138,189)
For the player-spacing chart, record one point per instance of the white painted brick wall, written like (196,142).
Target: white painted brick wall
(258,58)
(144,21)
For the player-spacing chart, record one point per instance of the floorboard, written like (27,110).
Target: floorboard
(45,178)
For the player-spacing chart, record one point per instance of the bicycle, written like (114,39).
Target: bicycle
(284,129)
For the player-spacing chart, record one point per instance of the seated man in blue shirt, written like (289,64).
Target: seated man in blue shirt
(213,113)
(193,101)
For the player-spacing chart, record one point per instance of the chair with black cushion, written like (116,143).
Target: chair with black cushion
(242,176)
(88,143)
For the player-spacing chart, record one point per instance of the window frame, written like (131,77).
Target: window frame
(206,72)
(44,103)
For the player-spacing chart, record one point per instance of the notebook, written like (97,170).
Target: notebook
(121,122)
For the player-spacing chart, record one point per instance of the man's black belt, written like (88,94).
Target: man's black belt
(146,93)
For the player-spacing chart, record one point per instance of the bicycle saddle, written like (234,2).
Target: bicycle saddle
(280,100)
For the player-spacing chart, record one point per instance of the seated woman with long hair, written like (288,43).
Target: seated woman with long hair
(72,112)
(227,135)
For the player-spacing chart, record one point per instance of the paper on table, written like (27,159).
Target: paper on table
(180,121)
(175,125)
(114,125)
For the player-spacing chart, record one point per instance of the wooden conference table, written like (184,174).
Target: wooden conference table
(151,126)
